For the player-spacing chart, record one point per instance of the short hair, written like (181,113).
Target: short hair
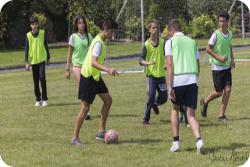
(110,23)
(224,14)
(152,21)
(33,19)
(174,24)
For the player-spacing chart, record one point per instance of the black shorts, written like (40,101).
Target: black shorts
(89,87)
(186,94)
(221,79)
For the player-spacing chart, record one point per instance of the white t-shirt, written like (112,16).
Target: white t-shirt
(71,39)
(97,49)
(182,79)
(212,41)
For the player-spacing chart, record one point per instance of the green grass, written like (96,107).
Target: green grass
(36,136)
(59,53)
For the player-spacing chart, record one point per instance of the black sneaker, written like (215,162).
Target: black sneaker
(156,110)
(87,116)
(100,135)
(203,108)
(223,119)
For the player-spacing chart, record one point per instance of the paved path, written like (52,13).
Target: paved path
(59,64)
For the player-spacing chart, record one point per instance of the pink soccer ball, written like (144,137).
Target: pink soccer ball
(111,137)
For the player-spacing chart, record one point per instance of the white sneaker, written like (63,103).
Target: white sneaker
(175,147)
(38,103)
(200,147)
(45,103)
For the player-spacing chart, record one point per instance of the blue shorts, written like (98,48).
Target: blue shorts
(187,94)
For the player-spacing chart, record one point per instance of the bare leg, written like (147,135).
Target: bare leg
(106,98)
(80,118)
(212,96)
(175,119)
(227,91)
(77,75)
(193,123)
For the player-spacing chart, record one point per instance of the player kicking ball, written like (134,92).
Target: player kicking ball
(91,82)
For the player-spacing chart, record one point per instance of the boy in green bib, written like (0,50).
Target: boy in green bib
(222,61)
(38,51)
(182,64)
(91,82)
(152,56)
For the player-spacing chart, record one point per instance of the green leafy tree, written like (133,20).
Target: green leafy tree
(10,13)
(202,26)
(92,28)
(41,20)
(133,28)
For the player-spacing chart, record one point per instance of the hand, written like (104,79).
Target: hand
(27,67)
(165,67)
(112,71)
(48,62)
(151,62)
(232,63)
(223,59)
(172,94)
(67,74)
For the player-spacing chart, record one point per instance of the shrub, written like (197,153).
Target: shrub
(92,28)
(41,20)
(133,26)
(202,26)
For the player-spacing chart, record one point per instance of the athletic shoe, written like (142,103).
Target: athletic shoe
(180,116)
(87,116)
(76,141)
(156,110)
(45,103)
(100,135)
(188,126)
(200,147)
(203,108)
(223,119)
(145,123)
(175,147)
(38,103)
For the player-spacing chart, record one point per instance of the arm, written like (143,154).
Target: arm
(47,50)
(198,63)
(68,62)
(169,66)
(232,58)
(143,57)
(212,53)
(96,64)
(26,54)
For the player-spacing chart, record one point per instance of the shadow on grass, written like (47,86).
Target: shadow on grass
(209,124)
(240,119)
(231,147)
(99,116)
(65,104)
(165,121)
(142,141)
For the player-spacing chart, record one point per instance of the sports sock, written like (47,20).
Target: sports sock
(198,139)
(176,138)
(101,131)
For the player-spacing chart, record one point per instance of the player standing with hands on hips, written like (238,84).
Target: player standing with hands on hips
(79,42)
(91,82)
(182,65)
(222,60)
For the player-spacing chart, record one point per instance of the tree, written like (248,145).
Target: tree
(10,13)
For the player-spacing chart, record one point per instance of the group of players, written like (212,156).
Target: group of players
(178,57)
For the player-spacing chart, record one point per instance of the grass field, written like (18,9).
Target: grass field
(35,136)
(59,53)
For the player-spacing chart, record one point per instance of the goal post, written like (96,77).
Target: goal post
(198,18)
